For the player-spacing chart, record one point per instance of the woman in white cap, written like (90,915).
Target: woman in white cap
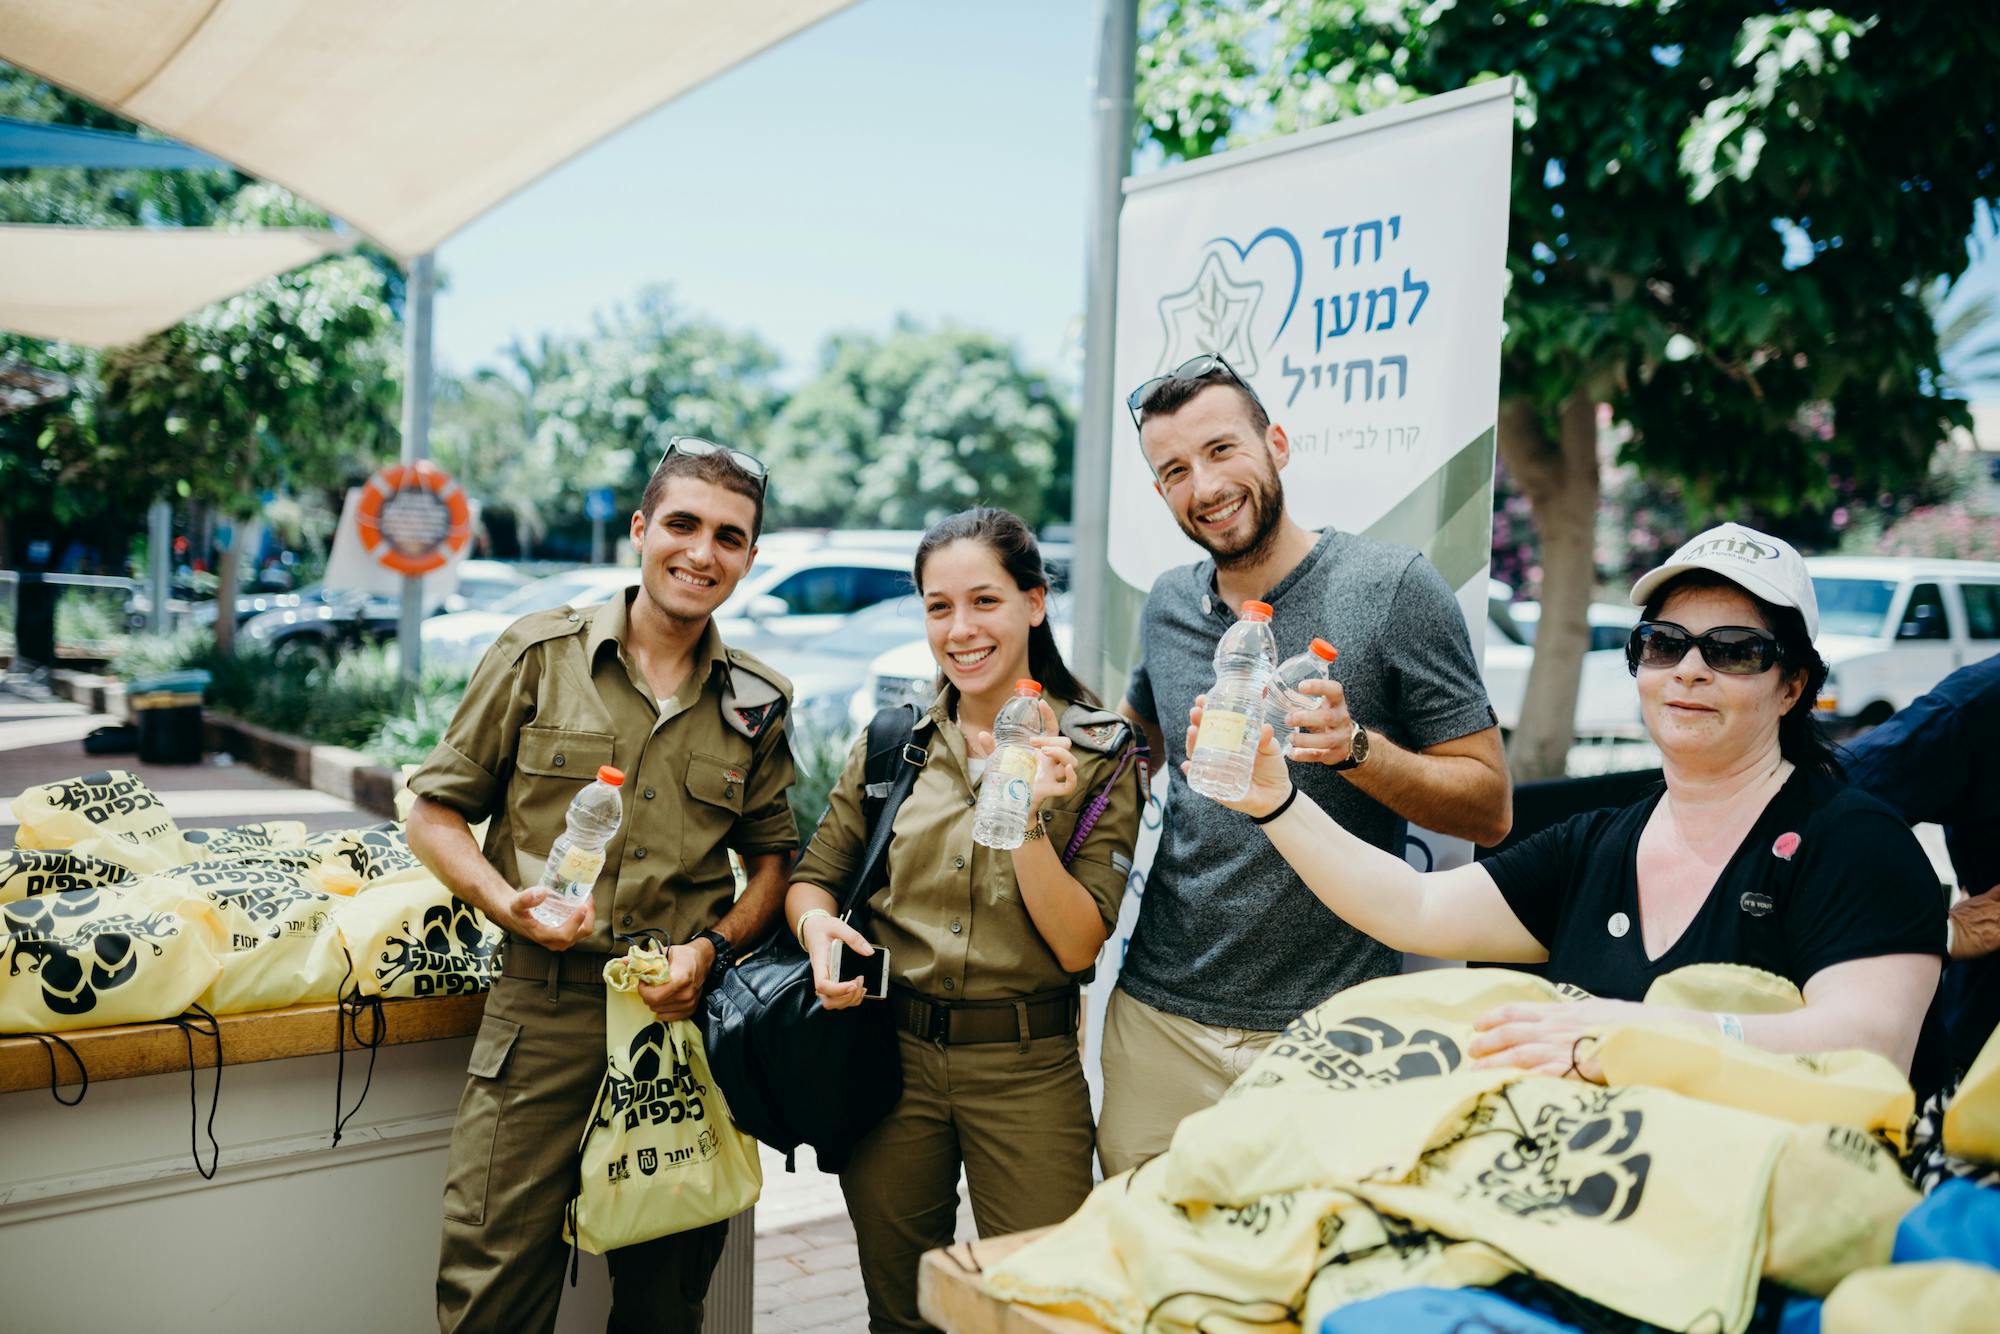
(1754,852)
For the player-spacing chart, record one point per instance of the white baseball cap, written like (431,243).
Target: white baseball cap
(1766,566)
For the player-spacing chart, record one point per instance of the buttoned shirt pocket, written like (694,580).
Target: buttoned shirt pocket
(715,788)
(551,765)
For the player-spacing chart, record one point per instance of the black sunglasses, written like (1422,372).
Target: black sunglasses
(1733,650)
(694,447)
(1194,368)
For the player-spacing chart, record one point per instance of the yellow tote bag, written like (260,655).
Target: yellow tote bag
(1936,1297)
(113,804)
(660,1154)
(278,943)
(1837,1197)
(1972,1117)
(351,859)
(414,938)
(86,958)
(27,872)
(236,840)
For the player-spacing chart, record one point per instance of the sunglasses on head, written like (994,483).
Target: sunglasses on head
(1194,368)
(1733,650)
(693,446)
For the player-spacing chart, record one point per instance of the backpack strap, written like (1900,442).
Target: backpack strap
(1095,810)
(889,773)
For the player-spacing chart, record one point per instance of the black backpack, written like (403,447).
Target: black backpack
(792,1071)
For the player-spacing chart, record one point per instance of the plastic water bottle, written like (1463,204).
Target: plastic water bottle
(1006,792)
(578,856)
(1232,722)
(1285,696)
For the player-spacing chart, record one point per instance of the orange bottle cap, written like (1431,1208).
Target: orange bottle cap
(1322,649)
(610,777)
(1256,611)
(1026,687)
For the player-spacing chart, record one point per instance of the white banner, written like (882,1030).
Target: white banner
(1354,276)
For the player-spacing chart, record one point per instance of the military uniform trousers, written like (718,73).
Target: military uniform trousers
(1019,1122)
(532,1082)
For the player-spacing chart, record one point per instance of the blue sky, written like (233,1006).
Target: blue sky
(920,156)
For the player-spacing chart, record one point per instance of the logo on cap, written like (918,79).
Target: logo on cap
(1739,548)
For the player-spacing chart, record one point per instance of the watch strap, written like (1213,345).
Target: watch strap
(1357,754)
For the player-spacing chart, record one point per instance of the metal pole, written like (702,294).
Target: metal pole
(416,440)
(160,561)
(1111,160)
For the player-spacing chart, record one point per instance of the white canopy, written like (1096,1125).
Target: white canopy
(109,285)
(407,120)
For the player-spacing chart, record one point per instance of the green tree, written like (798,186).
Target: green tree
(483,433)
(606,405)
(899,431)
(287,386)
(1723,220)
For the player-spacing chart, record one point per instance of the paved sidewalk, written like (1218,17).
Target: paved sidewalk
(808,1273)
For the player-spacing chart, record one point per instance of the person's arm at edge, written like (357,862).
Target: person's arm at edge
(1457,787)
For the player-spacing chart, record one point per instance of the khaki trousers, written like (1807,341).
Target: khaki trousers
(1017,1119)
(513,1170)
(1158,1068)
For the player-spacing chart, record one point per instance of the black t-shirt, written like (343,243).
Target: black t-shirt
(1828,874)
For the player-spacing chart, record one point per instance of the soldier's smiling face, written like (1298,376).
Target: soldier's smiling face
(695,548)
(1218,473)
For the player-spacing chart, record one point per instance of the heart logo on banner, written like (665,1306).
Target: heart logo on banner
(1240,299)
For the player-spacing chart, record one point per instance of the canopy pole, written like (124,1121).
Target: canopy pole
(1111,160)
(420,283)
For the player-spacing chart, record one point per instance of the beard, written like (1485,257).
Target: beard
(1265,499)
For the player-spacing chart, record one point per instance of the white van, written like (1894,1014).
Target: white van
(1892,627)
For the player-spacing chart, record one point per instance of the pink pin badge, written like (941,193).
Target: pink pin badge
(1786,845)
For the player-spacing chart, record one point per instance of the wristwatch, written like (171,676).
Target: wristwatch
(725,953)
(1357,753)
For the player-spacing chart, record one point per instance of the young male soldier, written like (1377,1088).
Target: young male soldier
(643,683)
(1229,948)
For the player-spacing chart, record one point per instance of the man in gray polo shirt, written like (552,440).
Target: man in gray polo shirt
(1229,946)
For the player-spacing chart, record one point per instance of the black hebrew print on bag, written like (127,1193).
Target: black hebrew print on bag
(1363,1052)
(1584,1161)
(32,872)
(100,798)
(75,961)
(448,954)
(655,1085)
(261,893)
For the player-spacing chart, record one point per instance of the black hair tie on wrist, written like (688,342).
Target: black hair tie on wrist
(1283,806)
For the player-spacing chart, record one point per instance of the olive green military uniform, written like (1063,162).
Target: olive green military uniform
(705,772)
(967,964)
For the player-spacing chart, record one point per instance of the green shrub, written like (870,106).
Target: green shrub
(818,755)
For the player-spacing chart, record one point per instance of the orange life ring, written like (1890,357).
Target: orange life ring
(413,551)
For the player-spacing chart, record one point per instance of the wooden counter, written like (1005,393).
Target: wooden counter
(123,1051)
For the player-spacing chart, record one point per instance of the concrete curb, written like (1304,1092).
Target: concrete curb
(334,770)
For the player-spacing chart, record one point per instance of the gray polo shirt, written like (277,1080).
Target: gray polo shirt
(1227,935)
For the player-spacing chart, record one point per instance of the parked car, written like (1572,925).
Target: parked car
(826,670)
(324,624)
(1892,627)
(789,595)
(1610,622)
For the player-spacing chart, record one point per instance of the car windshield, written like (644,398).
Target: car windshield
(874,630)
(1853,606)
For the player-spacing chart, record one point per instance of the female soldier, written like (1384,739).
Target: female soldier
(986,948)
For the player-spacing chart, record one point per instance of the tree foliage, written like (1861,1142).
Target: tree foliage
(899,431)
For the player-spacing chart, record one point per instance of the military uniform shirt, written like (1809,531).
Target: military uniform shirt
(556,697)
(950,912)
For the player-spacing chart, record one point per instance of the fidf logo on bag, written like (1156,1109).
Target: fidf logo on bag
(657,1087)
(450,954)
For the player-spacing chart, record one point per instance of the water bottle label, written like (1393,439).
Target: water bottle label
(1017,791)
(580,867)
(1017,762)
(1221,730)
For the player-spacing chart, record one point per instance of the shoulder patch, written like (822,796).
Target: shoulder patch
(754,695)
(1095,729)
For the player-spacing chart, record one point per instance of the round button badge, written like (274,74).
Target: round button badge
(1618,925)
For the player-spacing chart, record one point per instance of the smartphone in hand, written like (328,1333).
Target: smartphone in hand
(871,970)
